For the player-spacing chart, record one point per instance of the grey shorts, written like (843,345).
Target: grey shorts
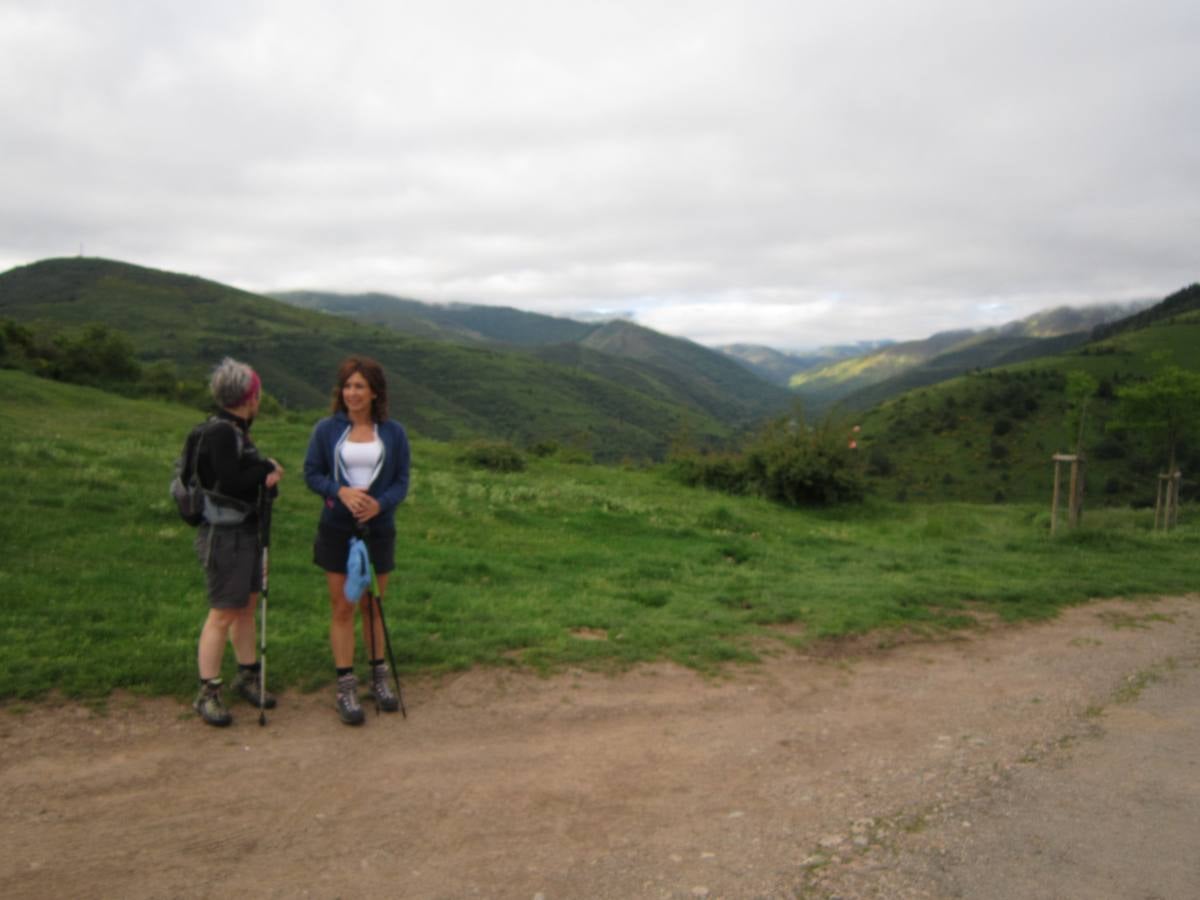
(232,564)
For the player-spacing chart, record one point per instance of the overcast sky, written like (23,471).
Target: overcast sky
(787,173)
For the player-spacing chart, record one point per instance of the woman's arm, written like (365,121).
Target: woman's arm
(396,490)
(318,468)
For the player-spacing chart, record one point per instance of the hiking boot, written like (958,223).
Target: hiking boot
(347,700)
(381,689)
(208,704)
(246,687)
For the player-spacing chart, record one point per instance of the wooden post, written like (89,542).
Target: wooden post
(1158,500)
(1074,504)
(1054,500)
(1059,459)
(1166,502)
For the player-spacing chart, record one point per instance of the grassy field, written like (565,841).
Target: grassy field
(560,565)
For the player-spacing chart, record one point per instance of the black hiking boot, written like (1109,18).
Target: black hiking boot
(347,700)
(381,689)
(246,687)
(208,704)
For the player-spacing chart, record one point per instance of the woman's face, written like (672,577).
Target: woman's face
(357,394)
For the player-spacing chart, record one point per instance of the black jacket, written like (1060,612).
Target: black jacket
(222,469)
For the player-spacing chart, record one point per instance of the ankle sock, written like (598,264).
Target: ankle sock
(348,670)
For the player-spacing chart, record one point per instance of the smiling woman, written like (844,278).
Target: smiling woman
(358,460)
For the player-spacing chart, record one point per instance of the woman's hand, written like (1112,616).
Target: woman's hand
(361,504)
(275,475)
(370,510)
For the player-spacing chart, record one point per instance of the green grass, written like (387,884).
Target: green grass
(556,566)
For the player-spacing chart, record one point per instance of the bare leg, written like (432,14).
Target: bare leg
(373,619)
(341,623)
(213,636)
(242,633)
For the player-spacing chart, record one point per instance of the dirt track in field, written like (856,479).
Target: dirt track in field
(1051,760)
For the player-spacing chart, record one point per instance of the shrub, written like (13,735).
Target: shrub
(498,456)
(720,472)
(788,462)
(879,463)
(798,465)
(544,448)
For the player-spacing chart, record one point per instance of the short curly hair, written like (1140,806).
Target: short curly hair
(233,383)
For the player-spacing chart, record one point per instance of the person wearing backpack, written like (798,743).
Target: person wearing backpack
(358,462)
(233,474)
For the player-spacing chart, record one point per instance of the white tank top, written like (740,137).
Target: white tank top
(360,460)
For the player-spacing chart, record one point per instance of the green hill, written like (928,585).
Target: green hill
(823,387)
(698,376)
(670,369)
(989,435)
(456,321)
(864,381)
(779,367)
(440,389)
(965,357)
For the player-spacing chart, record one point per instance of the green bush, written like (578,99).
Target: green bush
(498,456)
(719,472)
(788,462)
(798,465)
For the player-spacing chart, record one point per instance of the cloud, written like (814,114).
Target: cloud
(762,171)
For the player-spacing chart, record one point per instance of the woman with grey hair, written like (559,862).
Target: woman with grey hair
(227,541)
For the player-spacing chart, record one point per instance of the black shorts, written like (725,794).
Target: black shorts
(332,547)
(232,561)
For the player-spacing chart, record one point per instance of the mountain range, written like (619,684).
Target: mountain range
(963,414)
(857,378)
(610,389)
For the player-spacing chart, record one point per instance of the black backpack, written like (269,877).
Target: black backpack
(195,502)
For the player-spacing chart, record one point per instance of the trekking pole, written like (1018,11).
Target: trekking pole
(387,640)
(264,540)
(375,594)
(371,643)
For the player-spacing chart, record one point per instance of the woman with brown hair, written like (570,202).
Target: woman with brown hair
(358,461)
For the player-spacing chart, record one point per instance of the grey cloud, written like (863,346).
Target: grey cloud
(764,171)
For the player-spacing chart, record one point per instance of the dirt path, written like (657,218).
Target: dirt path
(976,767)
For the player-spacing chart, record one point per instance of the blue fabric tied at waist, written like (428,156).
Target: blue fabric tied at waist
(358,570)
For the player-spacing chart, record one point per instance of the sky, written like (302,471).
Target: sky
(754,171)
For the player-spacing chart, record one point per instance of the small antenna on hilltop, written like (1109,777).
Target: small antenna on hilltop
(81,248)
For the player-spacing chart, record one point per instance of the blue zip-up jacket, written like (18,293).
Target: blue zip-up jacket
(324,473)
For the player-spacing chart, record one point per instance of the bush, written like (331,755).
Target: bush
(788,462)
(720,472)
(801,466)
(498,456)
(544,448)
(879,463)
